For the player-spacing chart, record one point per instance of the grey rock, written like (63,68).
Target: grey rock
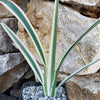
(41,98)
(85,10)
(29,74)
(12,69)
(10,61)
(64,99)
(86,2)
(5,97)
(6,45)
(15,92)
(85,87)
(58,99)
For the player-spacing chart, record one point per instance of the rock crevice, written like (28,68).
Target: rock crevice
(92,11)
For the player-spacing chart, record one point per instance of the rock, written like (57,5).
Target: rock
(9,61)
(22,4)
(71,26)
(4,13)
(13,76)
(6,45)
(86,10)
(86,2)
(5,97)
(83,87)
(15,91)
(29,74)
(98,4)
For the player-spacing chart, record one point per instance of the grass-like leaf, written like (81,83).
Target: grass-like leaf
(73,74)
(66,53)
(51,65)
(26,53)
(82,36)
(50,76)
(20,15)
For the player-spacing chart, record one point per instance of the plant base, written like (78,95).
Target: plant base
(34,91)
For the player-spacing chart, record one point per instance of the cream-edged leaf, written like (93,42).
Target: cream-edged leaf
(20,15)
(26,53)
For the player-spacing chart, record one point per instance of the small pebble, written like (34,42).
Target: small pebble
(58,98)
(64,99)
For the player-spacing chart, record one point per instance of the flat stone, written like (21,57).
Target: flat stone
(5,97)
(6,45)
(71,26)
(13,76)
(9,61)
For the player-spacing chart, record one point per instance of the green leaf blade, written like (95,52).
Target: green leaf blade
(20,15)
(26,53)
(73,45)
(70,48)
(76,72)
(52,55)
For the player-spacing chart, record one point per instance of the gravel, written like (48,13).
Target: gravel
(36,93)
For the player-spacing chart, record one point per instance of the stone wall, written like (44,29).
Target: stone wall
(13,67)
(75,17)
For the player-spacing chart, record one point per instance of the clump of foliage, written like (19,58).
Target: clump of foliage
(49,79)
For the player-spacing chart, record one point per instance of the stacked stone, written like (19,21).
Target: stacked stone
(13,66)
(86,85)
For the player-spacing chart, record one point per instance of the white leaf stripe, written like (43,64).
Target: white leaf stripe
(76,72)
(71,47)
(26,53)
(51,68)
(20,15)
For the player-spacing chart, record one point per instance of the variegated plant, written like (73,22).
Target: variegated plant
(49,79)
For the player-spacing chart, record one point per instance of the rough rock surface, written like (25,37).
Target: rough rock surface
(83,87)
(12,64)
(9,61)
(13,68)
(5,97)
(86,2)
(6,45)
(4,13)
(71,27)
(86,10)
(14,75)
